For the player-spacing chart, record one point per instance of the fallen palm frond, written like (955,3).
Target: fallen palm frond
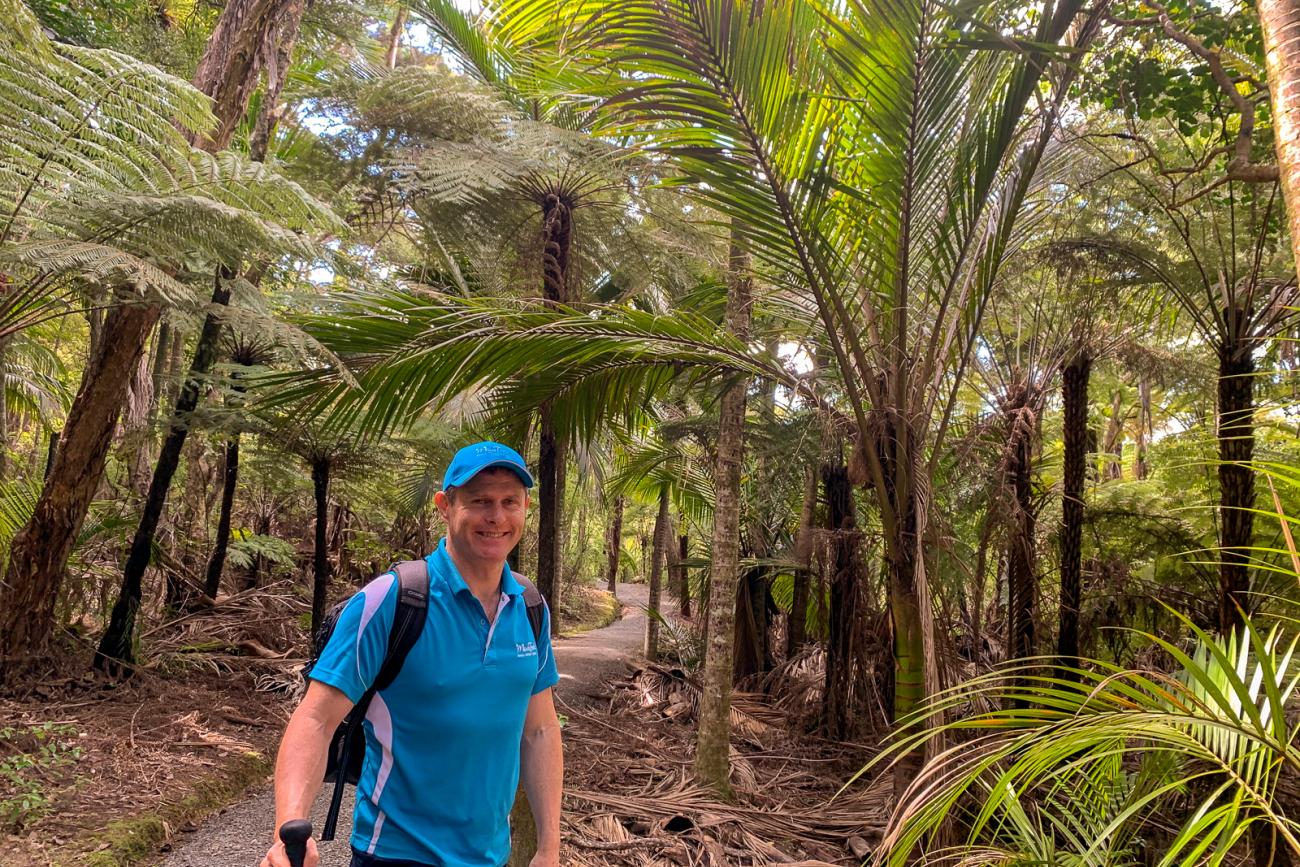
(632,800)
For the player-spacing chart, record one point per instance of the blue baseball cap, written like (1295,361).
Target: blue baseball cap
(474,459)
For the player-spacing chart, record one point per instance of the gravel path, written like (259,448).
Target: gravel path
(238,836)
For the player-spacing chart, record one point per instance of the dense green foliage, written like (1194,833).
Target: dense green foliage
(526,223)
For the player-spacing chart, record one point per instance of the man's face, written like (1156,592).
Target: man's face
(485,516)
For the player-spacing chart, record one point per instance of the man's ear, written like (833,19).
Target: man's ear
(440,500)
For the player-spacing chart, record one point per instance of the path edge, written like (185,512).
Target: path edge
(138,839)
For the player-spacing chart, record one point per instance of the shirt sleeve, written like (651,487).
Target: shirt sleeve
(547,674)
(355,651)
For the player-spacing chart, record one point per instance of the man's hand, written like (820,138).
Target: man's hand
(275,856)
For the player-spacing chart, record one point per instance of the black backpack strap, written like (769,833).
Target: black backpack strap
(408,623)
(534,604)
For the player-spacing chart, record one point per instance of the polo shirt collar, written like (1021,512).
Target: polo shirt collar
(441,564)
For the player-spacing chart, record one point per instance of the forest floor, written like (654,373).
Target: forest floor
(155,757)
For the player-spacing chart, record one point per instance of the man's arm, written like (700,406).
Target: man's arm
(542,767)
(300,764)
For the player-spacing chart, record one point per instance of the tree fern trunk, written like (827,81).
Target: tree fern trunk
(838,700)
(320,480)
(1022,583)
(116,654)
(797,633)
(713,741)
(557,237)
(230,478)
(40,550)
(659,559)
(684,584)
(548,520)
(1074,399)
(1236,437)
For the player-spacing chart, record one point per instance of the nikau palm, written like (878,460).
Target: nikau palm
(874,163)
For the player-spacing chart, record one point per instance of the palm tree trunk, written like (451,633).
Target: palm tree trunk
(713,741)
(1280,22)
(1236,437)
(1074,425)
(659,558)
(797,633)
(230,478)
(40,550)
(116,647)
(320,480)
(614,546)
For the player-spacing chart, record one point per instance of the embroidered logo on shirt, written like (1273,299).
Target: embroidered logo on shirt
(522,650)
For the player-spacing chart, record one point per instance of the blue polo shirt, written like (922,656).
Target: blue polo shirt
(442,743)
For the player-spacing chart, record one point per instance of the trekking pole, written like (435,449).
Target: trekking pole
(294,834)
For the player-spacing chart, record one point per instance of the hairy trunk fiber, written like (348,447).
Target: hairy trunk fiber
(250,38)
(797,633)
(51,449)
(116,654)
(614,546)
(550,502)
(557,238)
(659,558)
(230,478)
(1279,21)
(712,759)
(1022,582)
(1074,427)
(40,550)
(1236,436)
(839,704)
(751,624)
(320,480)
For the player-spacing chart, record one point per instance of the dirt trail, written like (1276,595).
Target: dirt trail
(238,836)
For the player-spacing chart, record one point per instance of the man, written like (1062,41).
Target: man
(470,711)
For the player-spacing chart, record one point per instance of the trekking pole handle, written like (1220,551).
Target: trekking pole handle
(294,834)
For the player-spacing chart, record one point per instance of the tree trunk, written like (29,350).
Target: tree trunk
(246,41)
(712,759)
(751,624)
(1140,468)
(838,704)
(40,550)
(1236,437)
(614,546)
(230,478)
(116,647)
(684,582)
(557,237)
(1279,21)
(51,449)
(550,502)
(659,558)
(1074,428)
(395,38)
(1113,445)
(1022,582)
(320,479)
(797,633)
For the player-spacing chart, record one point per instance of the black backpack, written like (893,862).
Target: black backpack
(347,749)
